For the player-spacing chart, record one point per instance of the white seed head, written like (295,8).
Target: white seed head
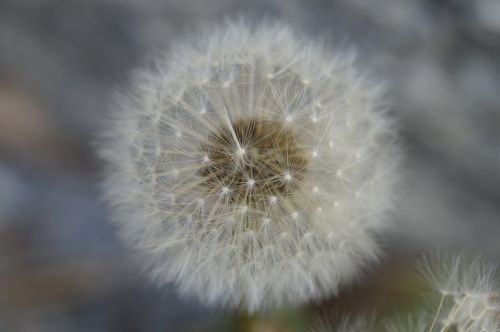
(468,300)
(254,149)
(468,292)
(344,323)
(419,322)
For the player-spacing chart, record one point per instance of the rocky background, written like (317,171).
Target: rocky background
(62,268)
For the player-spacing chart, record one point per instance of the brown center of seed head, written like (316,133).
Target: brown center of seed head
(253,162)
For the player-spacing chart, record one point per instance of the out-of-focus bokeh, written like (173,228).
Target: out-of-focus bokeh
(62,267)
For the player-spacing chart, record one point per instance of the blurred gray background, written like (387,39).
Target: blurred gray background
(62,267)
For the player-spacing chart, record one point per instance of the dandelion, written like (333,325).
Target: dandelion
(345,323)
(468,293)
(468,300)
(410,323)
(252,167)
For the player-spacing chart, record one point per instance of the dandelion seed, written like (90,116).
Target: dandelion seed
(467,297)
(260,156)
(468,301)
(345,323)
(468,293)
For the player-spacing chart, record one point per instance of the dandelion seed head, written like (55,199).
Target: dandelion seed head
(343,323)
(223,155)
(468,290)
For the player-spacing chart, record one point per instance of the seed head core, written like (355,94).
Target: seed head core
(258,159)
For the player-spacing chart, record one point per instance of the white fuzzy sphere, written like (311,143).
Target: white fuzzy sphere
(252,167)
